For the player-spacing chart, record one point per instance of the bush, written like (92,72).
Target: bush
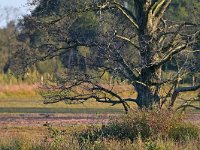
(13,145)
(143,123)
(184,132)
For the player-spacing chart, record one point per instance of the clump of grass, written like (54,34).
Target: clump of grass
(12,145)
(184,132)
(19,143)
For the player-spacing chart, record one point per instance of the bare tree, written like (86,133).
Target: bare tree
(133,43)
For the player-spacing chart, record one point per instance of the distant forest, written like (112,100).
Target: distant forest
(13,38)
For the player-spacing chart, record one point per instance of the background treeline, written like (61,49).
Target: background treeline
(14,36)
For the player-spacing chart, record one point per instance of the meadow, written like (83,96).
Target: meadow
(167,135)
(27,124)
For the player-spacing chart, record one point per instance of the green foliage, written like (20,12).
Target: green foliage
(49,66)
(8,79)
(85,27)
(20,143)
(184,132)
(13,145)
(184,10)
(8,45)
(144,124)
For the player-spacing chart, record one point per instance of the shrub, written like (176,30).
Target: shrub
(143,123)
(55,138)
(184,132)
(13,145)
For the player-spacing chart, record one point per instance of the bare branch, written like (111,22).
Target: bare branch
(159,11)
(127,13)
(125,105)
(185,105)
(182,89)
(187,89)
(128,40)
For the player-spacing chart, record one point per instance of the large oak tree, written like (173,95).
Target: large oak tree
(132,41)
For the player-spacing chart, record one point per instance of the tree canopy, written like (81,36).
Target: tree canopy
(130,42)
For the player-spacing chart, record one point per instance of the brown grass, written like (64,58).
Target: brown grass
(29,137)
(17,91)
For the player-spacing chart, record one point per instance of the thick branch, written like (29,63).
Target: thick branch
(156,7)
(182,89)
(160,7)
(125,105)
(127,14)
(173,52)
(187,105)
(188,89)
(159,12)
(114,102)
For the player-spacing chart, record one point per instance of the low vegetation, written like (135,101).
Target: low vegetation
(146,125)
(139,130)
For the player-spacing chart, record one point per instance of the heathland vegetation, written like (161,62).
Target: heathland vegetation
(72,58)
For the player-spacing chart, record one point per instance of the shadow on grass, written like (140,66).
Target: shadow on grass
(59,110)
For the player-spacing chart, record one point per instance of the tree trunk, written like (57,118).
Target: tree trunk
(148,93)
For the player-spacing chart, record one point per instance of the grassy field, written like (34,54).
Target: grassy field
(24,98)
(23,115)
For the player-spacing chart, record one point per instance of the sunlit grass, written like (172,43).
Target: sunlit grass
(26,98)
(23,97)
